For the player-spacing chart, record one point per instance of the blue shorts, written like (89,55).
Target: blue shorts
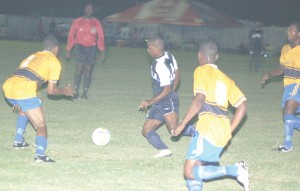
(158,110)
(202,150)
(26,104)
(85,55)
(292,92)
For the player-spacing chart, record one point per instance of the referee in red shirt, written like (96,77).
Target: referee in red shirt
(85,37)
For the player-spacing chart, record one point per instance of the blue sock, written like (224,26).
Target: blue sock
(41,145)
(20,128)
(189,130)
(210,172)
(155,140)
(231,170)
(289,125)
(194,185)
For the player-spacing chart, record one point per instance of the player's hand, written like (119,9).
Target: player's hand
(69,90)
(178,129)
(144,105)
(265,78)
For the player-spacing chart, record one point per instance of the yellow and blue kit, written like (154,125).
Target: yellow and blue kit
(213,121)
(33,71)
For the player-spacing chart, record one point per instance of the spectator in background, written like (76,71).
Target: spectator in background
(256,46)
(85,36)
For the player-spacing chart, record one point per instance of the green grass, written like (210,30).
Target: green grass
(125,164)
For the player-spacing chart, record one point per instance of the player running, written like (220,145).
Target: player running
(213,92)
(164,103)
(21,88)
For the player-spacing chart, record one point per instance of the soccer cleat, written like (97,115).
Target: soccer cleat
(283,148)
(243,175)
(18,146)
(163,153)
(76,96)
(44,158)
(84,96)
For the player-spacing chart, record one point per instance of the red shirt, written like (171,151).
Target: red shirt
(86,32)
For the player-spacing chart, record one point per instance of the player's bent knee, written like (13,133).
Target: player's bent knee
(188,172)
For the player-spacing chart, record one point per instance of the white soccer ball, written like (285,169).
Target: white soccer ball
(101,136)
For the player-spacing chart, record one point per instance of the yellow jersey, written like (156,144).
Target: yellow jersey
(213,121)
(33,71)
(290,59)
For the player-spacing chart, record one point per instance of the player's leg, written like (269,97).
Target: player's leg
(290,106)
(251,61)
(257,62)
(90,60)
(77,78)
(149,132)
(22,120)
(291,121)
(37,119)
(202,150)
(80,60)
(87,72)
(171,120)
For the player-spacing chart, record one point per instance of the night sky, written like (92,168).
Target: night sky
(270,12)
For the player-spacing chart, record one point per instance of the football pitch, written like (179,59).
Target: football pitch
(125,164)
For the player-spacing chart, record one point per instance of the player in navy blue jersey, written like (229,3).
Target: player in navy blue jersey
(164,103)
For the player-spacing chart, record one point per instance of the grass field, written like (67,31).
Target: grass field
(125,164)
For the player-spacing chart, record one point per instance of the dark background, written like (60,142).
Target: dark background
(269,12)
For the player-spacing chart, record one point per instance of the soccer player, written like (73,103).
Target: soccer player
(290,68)
(164,103)
(85,35)
(21,88)
(256,46)
(213,92)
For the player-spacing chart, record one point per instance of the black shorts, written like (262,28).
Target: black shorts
(85,55)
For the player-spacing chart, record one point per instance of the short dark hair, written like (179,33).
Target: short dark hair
(209,48)
(157,41)
(50,42)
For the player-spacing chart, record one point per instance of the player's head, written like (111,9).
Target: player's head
(156,46)
(293,32)
(208,53)
(88,10)
(50,43)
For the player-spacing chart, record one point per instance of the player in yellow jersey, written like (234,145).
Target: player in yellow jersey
(290,68)
(21,88)
(213,92)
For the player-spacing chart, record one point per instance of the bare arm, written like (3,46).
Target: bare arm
(194,108)
(54,90)
(277,72)
(177,80)
(146,103)
(238,115)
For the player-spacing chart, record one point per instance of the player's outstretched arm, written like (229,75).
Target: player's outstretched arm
(277,72)
(54,90)
(195,107)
